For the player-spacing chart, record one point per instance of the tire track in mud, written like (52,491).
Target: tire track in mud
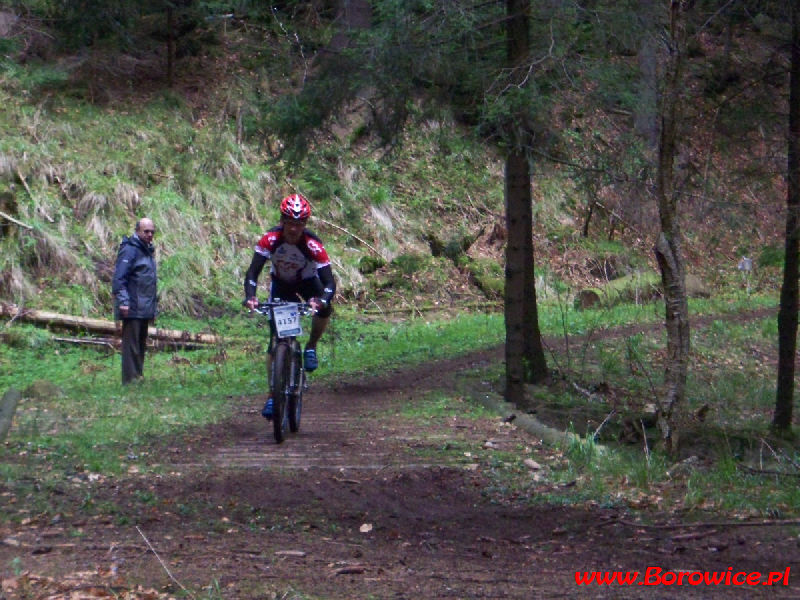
(336,416)
(331,437)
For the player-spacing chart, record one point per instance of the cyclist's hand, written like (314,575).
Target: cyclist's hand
(251,303)
(317,304)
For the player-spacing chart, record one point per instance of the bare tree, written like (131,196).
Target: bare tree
(668,248)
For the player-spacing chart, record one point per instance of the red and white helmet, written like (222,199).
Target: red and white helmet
(295,207)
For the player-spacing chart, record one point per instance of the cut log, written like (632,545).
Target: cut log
(74,323)
(631,288)
(635,288)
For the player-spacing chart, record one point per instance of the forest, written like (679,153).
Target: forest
(565,238)
(645,129)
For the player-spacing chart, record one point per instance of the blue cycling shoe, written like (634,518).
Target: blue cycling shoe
(310,359)
(266,412)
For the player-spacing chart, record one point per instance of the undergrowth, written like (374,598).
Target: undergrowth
(76,416)
(425,217)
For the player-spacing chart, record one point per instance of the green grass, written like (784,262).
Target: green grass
(90,421)
(92,425)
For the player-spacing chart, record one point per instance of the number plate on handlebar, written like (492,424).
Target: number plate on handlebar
(287,320)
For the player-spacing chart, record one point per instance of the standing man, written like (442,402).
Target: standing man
(135,297)
(300,267)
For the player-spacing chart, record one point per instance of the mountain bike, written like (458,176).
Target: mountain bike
(287,376)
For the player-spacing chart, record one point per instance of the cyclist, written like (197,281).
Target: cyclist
(300,267)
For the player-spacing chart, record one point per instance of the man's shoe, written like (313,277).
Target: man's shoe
(310,359)
(266,412)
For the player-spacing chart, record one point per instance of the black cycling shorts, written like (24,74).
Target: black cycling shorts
(306,289)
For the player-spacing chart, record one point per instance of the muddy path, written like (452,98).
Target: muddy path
(360,504)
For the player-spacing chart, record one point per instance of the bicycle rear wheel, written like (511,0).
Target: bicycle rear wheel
(281,388)
(296,397)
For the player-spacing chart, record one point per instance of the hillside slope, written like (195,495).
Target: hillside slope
(92,142)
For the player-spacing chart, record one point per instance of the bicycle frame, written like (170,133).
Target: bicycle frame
(287,375)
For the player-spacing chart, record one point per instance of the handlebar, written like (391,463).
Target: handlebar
(264,308)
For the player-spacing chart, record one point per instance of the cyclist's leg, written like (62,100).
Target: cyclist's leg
(318,327)
(310,288)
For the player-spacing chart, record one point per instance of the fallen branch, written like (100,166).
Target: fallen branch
(590,396)
(695,535)
(13,220)
(108,342)
(24,184)
(153,550)
(599,427)
(776,523)
(351,234)
(74,323)
(351,570)
(115,343)
(767,472)
(434,307)
(30,194)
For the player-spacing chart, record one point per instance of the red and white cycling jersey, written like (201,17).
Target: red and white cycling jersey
(292,263)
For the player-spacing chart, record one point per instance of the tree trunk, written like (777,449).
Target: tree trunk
(646,111)
(535,362)
(352,15)
(668,249)
(787,314)
(518,224)
(525,361)
(170,46)
(588,219)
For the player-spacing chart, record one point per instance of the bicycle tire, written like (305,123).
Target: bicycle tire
(296,398)
(281,391)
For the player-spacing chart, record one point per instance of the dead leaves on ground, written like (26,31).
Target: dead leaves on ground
(76,586)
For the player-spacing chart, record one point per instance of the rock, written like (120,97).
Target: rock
(7,22)
(43,389)
(685,467)
(696,287)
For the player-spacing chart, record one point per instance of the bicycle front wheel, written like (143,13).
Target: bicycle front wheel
(281,389)
(296,397)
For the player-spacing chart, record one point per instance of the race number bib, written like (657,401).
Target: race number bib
(287,320)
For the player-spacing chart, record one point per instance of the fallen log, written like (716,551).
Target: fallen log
(634,288)
(630,288)
(114,343)
(74,323)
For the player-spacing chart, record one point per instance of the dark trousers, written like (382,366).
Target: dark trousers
(134,339)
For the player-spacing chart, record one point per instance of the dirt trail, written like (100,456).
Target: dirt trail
(359,505)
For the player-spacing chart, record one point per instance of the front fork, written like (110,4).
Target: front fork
(298,374)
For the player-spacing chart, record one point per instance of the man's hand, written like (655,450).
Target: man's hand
(251,303)
(123,311)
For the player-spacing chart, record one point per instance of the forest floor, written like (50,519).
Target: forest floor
(362,504)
